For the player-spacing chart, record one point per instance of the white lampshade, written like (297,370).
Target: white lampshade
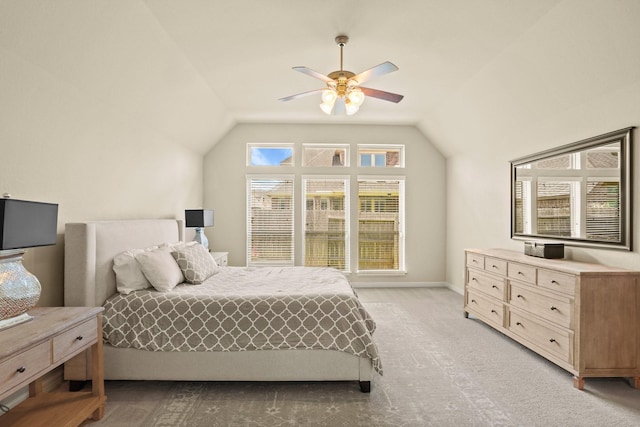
(356,96)
(327,108)
(329,97)
(351,108)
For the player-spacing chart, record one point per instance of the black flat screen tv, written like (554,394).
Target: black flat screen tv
(25,224)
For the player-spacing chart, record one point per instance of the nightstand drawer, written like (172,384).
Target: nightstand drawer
(27,364)
(75,340)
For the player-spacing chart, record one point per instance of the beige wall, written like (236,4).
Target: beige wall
(225,182)
(61,142)
(556,84)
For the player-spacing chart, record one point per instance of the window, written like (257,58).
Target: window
(269,154)
(381,156)
(270,224)
(326,222)
(380,224)
(331,205)
(325,155)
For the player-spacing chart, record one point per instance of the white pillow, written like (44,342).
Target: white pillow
(160,269)
(129,277)
(195,262)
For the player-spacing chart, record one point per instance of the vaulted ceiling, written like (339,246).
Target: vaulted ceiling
(194,68)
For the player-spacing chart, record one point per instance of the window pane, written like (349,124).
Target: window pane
(267,155)
(554,208)
(607,157)
(270,221)
(383,156)
(326,223)
(329,156)
(603,211)
(379,226)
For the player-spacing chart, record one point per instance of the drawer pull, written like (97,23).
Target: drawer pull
(474,279)
(79,338)
(494,286)
(473,300)
(553,308)
(21,369)
(554,282)
(519,296)
(494,266)
(473,260)
(518,324)
(552,340)
(493,311)
(521,273)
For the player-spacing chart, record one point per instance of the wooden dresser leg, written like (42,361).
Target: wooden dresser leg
(466,315)
(635,382)
(578,382)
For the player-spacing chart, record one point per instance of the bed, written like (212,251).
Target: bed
(90,248)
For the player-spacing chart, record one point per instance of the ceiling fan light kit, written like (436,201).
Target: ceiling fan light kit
(343,94)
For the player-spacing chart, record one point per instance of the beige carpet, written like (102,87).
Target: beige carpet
(440,370)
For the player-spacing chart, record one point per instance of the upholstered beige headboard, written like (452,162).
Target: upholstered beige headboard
(90,247)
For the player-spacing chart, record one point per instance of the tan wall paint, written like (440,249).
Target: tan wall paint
(225,182)
(62,145)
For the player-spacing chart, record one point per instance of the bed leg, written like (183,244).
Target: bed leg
(365,386)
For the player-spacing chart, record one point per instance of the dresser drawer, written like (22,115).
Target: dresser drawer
(556,341)
(475,260)
(27,364)
(557,281)
(495,266)
(522,272)
(551,308)
(490,285)
(490,310)
(74,340)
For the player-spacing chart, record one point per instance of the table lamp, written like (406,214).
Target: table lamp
(199,218)
(23,224)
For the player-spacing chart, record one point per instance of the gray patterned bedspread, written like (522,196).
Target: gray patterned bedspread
(246,308)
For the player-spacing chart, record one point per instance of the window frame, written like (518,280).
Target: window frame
(269,145)
(328,146)
(379,149)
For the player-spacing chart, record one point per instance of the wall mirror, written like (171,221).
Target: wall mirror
(578,194)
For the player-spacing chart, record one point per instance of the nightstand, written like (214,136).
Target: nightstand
(31,349)
(221,258)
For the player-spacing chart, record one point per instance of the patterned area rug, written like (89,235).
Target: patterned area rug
(440,370)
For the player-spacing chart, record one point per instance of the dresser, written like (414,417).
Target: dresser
(583,317)
(31,349)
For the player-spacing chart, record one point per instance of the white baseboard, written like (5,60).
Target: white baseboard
(398,284)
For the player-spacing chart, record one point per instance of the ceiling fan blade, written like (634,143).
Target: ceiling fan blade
(312,73)
(300,95)
(339,108)
(380,94)
(378,70)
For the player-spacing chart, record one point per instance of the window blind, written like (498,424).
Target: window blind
(603,210)
(270,221)
(380,224)
(326,223)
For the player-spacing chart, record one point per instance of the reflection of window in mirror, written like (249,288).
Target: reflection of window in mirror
(579,193)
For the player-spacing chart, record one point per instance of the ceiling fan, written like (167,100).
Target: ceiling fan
(343,93)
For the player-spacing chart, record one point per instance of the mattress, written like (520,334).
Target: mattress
(246,309)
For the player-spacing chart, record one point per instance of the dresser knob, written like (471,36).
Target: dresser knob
(554,282)
(493,311)
(552,340)
(21,369)
(494,266)
(521,273)
(519,296)
(473,300)
(518,324)
(79,338)
(553,308)
(474,279)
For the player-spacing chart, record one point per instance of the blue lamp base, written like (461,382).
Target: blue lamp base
(201,238)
